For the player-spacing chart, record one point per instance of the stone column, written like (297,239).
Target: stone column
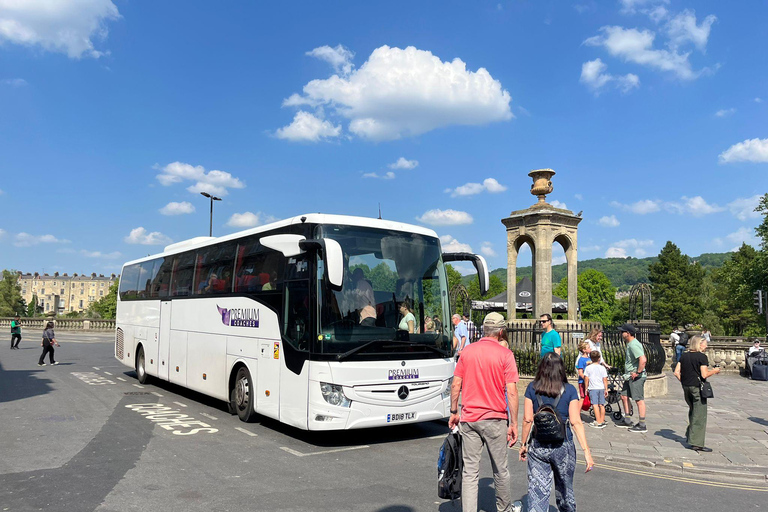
(542,302)
(573,283)
(511,278)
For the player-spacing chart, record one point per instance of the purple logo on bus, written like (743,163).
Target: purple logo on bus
(239,317)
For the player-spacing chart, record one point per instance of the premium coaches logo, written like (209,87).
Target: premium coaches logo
(239,317)
(411,373)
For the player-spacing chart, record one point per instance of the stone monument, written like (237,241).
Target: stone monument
(540,226)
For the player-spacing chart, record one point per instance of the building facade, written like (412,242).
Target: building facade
(63,293)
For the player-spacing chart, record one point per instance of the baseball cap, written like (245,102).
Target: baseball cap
(628,328)
(494,321)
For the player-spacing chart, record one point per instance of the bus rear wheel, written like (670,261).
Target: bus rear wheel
(141,367)
(241,396)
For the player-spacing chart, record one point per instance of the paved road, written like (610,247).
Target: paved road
(80,436)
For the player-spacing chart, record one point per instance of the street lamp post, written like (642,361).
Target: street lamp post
(212,198)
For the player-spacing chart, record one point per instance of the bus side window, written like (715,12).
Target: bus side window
(214,269)
(128,282)
(146,274)
(161,282)
(183,271)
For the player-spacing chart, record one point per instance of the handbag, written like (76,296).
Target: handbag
(706,389)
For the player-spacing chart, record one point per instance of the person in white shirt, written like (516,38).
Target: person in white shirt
(596,382)
(756,348)
(595,340)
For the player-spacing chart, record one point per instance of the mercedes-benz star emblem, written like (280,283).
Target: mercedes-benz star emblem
(402,363)
(402,393)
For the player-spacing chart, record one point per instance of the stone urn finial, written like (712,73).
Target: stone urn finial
(542,184)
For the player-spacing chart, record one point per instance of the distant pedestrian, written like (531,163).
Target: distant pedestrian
(674,339)
(596,382)
(471,328)
(595,340)
(690,370)
(552,460)
(484,372)
(460,335)
(682,343)
(706,335)
(550,340)
(49,340)
(581,364)
(634,379)
(15,332)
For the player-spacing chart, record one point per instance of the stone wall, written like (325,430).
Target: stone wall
(62,324)
(730,355)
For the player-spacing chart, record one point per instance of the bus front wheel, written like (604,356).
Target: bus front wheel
(141,366)
(241,396)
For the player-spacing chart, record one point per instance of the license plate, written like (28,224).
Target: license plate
(401,416)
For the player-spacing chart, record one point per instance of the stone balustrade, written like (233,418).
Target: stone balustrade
(730,354)
(61,324)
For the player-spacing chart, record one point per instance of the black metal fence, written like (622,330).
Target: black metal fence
(525,342)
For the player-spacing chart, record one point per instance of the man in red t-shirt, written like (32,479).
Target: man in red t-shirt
(484,372)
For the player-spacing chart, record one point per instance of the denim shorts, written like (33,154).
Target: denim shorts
(597,396)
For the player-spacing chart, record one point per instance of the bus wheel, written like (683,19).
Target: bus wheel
(241,396)
(141,367)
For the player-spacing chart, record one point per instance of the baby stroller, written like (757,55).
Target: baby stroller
(615,383)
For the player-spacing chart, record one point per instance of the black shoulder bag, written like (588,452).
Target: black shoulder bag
(706,387)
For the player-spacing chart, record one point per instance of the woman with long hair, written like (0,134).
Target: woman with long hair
(692,367)
(552,460)
(49,340)
(595,340)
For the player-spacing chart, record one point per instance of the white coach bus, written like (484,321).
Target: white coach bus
(306,320)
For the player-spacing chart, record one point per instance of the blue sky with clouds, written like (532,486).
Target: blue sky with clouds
(114,115)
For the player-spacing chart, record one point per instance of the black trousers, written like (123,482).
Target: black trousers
(16,337)
(47,349)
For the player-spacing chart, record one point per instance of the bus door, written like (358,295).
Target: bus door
(164,341)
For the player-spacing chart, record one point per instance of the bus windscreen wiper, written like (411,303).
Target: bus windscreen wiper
(345,355)
(355,350)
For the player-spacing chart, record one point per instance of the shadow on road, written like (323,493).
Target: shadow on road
(21,384)
(759,421)
(667,433)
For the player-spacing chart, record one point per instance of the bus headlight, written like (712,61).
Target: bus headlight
(334,395)
(447,390)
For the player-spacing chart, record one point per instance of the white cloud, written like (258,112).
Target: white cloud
(683,29)
(590,248)
(632,6)
(622,248)
(27,240)
(388,176)
(579,197)
(177,208)
(212,182)
(99,254)
(559,204)
(594,76)
(140,236)
(657,14)
(695,206)
(642,207)
(463,268)
(64,26)
(609,221)
(445,218)
(450,244)
(633,45)
(2,233)
(751,150)
(307,127)
(744,208)
(489,185)
(398,93)
(725,112)
(559,260)
(402,163)
(758,100)
(340,57)
(486,249)
(743,235)
(249,220)
(14,82)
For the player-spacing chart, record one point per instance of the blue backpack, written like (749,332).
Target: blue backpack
(449,468)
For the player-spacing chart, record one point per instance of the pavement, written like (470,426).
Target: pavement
(75,439)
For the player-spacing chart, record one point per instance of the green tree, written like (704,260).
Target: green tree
(11,302)
(495,287)
(106,307)
(32,307)
(561,290)
(597,297)
(676,288)
(735,282)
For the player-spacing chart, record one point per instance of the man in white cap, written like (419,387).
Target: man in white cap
(484,372)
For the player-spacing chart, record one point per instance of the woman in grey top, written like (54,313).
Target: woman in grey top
(49,340)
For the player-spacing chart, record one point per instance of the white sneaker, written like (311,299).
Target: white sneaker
(594,424)
(55,362)
(40,364)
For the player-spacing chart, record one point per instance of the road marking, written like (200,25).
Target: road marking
(299,454)
(139,386)
(92,378)
(107,373)
(156,393)
(177,422)
(244,431)
(208,416)
(122,379)
(96,368)
(180,404)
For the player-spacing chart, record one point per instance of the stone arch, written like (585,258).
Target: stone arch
(514,242)
(568,243)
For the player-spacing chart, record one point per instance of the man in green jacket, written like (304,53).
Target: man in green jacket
(15,332)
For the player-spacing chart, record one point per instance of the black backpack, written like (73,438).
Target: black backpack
(449,468)
(548,428)
(683,339)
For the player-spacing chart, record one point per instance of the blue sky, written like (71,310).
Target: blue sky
(115,114)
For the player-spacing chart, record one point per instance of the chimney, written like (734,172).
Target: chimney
(93,274)
(65,274)
(37,275)
(55,274)
(112,276)
(101,275)
(74,275)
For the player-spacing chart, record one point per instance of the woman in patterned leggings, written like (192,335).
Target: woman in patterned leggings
(548,461)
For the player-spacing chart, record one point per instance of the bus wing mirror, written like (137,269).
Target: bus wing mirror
(478,261)
(334,260)
(286,244)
